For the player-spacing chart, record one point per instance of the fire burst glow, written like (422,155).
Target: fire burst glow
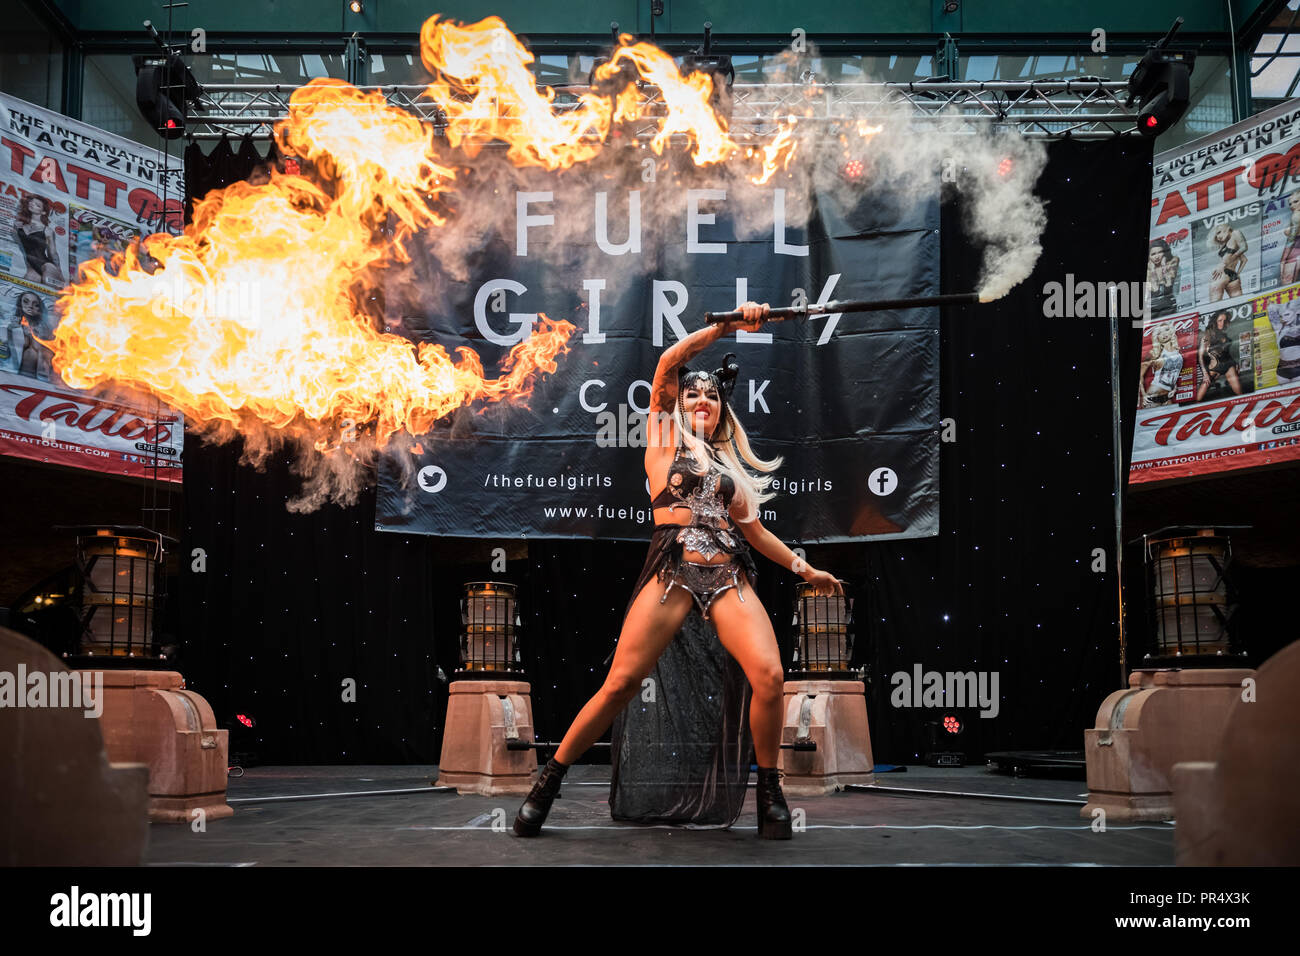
(308,354)
(311,248)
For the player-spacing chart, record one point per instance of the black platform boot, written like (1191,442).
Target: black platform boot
(533,813)
(773,814)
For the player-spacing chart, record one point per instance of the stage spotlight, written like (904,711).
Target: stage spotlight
(1161,83)
(941,733)
(356,6)
(1004,167)
(162,90)
(242,741)
(853,170)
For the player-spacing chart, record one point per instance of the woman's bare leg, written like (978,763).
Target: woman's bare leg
(648,629)
(746,632)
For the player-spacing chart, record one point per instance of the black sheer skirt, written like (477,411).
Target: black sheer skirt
(682,749)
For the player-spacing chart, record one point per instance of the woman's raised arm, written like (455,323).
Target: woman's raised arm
(663,390)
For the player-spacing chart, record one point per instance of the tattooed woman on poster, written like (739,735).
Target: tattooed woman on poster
(1230,246)
(1162,278)
(37,236)
(703,493)
(26,355)
(1215,356)
(1285,321)
(1291,251)
(1167,359)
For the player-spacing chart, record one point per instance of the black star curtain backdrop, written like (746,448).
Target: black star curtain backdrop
(291,608)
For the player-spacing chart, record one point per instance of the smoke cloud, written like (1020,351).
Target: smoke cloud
(383,215)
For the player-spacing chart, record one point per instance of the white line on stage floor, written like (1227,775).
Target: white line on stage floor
(188,863)
(855,788)
(343,793)
(813,826)
(885,788)
(746,865)
(877,788)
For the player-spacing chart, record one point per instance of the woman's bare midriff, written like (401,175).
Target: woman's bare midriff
(683,517)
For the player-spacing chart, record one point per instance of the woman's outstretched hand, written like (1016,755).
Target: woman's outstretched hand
(755,316)
(823,582)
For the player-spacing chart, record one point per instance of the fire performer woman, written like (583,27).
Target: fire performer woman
(698,577)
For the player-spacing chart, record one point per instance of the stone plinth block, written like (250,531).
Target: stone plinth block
(482,717)
(1238,808)
(833,715)
(150,718)
(62,803)
(1163,718)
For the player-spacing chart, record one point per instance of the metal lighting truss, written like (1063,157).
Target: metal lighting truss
(1087,108)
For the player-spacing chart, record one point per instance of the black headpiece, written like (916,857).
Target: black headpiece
(723,379)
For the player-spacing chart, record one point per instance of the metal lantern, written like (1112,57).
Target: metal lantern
(120,574)
(1192,599)
(489,636)
(823,643)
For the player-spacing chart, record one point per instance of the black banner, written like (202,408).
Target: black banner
(851,402)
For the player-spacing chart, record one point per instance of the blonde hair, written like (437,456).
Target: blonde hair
(1227,227)
(1161,335)
(751,490)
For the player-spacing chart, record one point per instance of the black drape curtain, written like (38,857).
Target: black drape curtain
(290,607)
(1008,586)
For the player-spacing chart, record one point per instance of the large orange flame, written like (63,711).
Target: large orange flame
(482,81)
(257,316)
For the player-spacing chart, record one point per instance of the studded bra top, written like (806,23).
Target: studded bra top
(707,497)
(685,486)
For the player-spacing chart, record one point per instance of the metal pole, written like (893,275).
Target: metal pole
(1117,455)
(826,308)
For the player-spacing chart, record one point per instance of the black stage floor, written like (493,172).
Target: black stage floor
(341,816)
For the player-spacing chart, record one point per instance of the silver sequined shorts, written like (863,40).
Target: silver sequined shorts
(705,582)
